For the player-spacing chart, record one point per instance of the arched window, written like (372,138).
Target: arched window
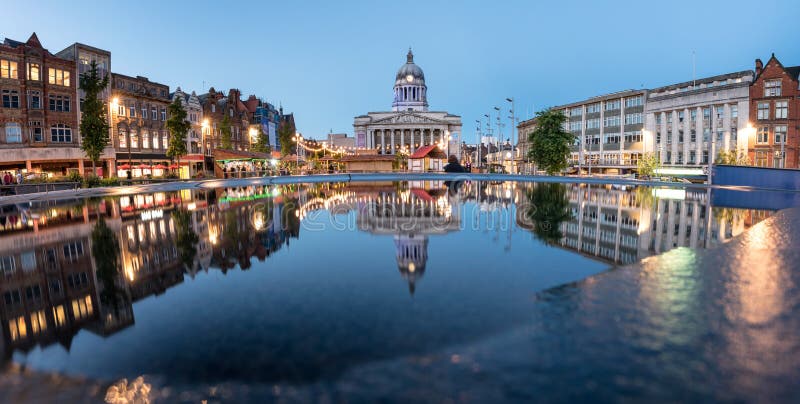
(123,138)
(145,140)
(134,139)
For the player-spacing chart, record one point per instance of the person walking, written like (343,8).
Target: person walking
(19,177)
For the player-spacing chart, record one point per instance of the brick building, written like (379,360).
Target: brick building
(38,112)
(774,115)
(215,105)
(138,125)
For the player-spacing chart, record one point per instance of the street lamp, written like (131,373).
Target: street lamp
(513,125)
(297,138)
(204,148)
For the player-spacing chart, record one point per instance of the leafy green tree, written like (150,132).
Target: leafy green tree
(94,125)
(262,142)
(550,142)
(285,133)
(178,127)
(648,164)
(548,207)
(225,139)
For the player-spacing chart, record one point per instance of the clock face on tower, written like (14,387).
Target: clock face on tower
(409,78)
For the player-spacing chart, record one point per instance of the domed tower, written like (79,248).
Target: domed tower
(410,91)
(411,254)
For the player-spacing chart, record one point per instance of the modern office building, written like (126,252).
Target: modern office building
(689,123)
(608,132)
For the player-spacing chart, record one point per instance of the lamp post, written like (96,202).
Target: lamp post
(113,105)
(297,139)
(204,148)
(513,142)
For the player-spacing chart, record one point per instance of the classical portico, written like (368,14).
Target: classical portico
(409,125)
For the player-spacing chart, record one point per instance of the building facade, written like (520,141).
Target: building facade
(38,113)
(138,123)
(687,124)
(409,125)
(197,146)
(775,115)
(216,105)
(608,132)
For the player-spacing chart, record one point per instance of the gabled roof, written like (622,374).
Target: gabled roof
(428,151)
(793,71)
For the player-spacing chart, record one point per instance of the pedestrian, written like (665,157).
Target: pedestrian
(19,177)
(453,166)
(224,172)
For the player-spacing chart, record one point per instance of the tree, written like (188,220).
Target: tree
(285,133)
(548,207)
(105,251)
(550,142)
(94,125)
(225,139)
(186,238)
(647,165)
(178,126)
(262,142)
(729,157)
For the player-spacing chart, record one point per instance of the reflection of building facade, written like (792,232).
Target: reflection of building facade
(48,283)
(622,226)
(409,125)
(411,216)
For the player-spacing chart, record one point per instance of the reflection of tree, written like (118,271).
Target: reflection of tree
(105,251)
(185,237)
(644,196)
(548,207)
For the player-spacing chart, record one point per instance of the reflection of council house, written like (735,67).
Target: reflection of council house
(410,216)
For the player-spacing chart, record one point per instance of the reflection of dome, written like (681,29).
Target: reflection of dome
(410,91)
(411,254)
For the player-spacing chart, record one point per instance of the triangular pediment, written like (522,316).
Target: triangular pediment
(411,118)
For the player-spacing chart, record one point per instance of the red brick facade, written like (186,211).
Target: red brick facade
(215,106)
(38,109)
(774,107)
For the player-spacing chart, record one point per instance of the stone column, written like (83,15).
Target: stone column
(383,141)
(411,147)
(28,165)
(432,131)
(392,149)
(111,168)
(80,166)
(403,138)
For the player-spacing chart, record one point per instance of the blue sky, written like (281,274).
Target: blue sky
(330,61)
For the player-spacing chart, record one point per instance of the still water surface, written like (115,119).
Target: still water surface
(299,285)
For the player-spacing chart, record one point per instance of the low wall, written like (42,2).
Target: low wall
(759,177)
